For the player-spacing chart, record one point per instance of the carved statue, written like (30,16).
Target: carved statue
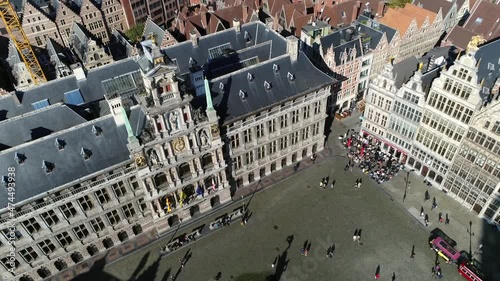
(174,119)
(153,157)
(203,137)
(475,42)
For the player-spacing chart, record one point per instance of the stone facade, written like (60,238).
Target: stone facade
(38,26)
(93,21)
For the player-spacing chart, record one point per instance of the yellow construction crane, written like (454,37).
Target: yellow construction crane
(21,42)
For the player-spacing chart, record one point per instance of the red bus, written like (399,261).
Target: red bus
(471,271)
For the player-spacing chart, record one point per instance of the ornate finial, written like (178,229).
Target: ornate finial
(475,42)
(459,54)
(478,62)
(152,37)
(482,82)
(420,66)
(390,60)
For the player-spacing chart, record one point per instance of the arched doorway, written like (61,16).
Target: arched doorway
(43,272)
(194,211)
(283,162)
(76,257)
(251,177)
(92,250)
(432,174)
(184,171)
(189,192)
(294,157)
(122,236)
(161,180)
(262,172)
(137,229)
(315,148)
(107,243)
(206,161)
(26,278)
(214,201)
(173,220)
(60,265)
(418,166)
(304,152)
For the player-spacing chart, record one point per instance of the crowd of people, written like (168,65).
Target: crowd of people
(365,152)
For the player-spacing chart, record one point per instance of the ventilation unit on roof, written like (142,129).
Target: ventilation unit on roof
(243,95)
(96,130)
(267,85)
(290,77)
(250,77)
(60,144)
(47,167)
(20,158)
(276,67)
(221,86)
(85,153)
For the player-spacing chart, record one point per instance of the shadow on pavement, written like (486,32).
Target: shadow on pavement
(489,251)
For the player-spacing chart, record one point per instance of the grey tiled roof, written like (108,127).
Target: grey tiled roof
(37,125)
(230,105)
(151,28)
(389,31)
(91,89)
(108,149)
(489,68)
(251,34)
(404,70)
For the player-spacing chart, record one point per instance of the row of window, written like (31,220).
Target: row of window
(86,203)
(456,88)
(488,164)
(271,147)
(451,108)
(443,126)
(436,143)
(429,160)
(398,141)
(485,141)
(377,118)
(381,102)
(402,127)
(411,97)
(79,232)
(95,25)
(271,125)
(406,111)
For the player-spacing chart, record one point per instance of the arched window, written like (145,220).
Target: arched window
(384,84)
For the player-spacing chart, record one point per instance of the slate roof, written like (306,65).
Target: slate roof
(230,106)
(108,149)
(389,31)
(91,89)
(36,125)
(340,44)
(459,37)
(435,5)
(404,70)
(484,20)
(256,32)
(153,29)
(489,68)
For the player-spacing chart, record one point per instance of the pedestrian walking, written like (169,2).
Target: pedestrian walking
(322,182)
(377,275)
(434,203)
(447,221)
(332,184)
(359,183)
(427,196)
(313,157)
(355,235)
(421,212)
(274,262)
(346,168)
(393,278)
(412,255)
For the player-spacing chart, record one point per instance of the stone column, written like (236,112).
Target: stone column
(195,141)
(163,123)
(161,212)
(268,169)
(198,166)
(175,176)
(215,159)
(155,125)
(192,169)
(170,152)
(188,112)
(223,179)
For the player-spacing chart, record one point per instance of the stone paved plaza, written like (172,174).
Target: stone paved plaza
(323,217)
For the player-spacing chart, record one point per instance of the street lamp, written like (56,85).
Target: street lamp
(407,182)
(470,239)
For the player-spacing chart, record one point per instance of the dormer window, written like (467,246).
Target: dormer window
(290,77)
(267,85)
(85,153)
(276,67)
(20,158)
(250,77)
(243,95)
(221,86)
(96,130)
(5,180)
(47,167)
(60,144)
(247,36)
(192,61)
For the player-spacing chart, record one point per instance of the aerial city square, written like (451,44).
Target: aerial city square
(266,140)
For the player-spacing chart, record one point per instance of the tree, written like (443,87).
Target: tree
(134,34)
(398,3)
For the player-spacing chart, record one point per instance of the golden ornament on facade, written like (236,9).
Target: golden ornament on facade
(215,130)
(179,144)
(475,41)
(139,159)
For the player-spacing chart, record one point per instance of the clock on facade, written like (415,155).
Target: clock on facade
(139,160)
(179,144)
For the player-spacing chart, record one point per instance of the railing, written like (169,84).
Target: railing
(76,191)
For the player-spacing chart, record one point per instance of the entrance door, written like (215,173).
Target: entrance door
(425,170)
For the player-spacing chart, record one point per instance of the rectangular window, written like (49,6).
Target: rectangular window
(102,196)
(305,133)
(317,107)
(295,138)
(272,147)
(237,162)
(68,210)
(247,134)
(261,152)
(64,238)
(97,224)
(46,246)
(307,111)
(271,126)
(284,121)
(31,225)
(119,189)
(295,117)
(129,210)
(235,141)
(29,254)
(260,130)
(249,157)
(81,231)
(113,217)
(315,129)
(50,218)
(283,142)
(496,128)
(86,203)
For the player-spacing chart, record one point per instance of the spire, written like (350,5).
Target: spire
(208,95)
(212,115)
(130,133)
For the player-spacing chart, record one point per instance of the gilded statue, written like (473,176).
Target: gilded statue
(475,42)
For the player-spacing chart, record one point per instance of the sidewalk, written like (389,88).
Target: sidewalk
(459,216)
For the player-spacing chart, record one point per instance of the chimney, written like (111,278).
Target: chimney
(236,25)
(194,38)
(292,47)
(78,71)
(380,9)
(269,23)
(348,34)
(355,12)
